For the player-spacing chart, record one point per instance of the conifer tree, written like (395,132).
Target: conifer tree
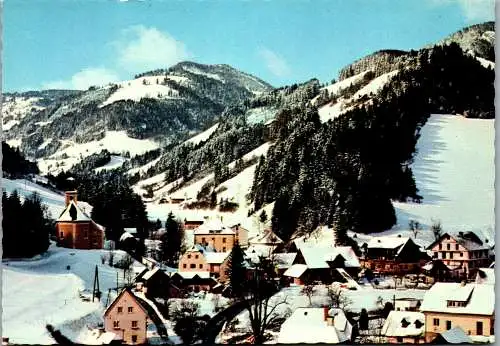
(236,270)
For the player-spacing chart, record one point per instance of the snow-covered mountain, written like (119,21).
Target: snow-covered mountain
(153,109)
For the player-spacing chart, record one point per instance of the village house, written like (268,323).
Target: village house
(198,259)
(316,325)
(192,223)
(193,281)
(393,255)
(463,253)
(323,265)
(156,283)
(75,229)
(407,304)
(469,306)
(218,236)
(127,318)
(263,244)
(407,327)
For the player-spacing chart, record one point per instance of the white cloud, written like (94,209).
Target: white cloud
(275,63)
(144,48)
(472,10)
(84,79)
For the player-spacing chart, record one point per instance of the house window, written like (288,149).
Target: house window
(461,254)
(201,266)
(456,246)
(203,240)
(223,240)
(189,256)
(479,328)
(440,246)
(192,265)
(62,235)
(399,339)
(85,234)
(130,309)
(134,324)
(435,322)
(116,324)
(134,338)
(196,256)
(448,325)
(184,266)
(213,239)
(120,309)
(448,246)
(224,249)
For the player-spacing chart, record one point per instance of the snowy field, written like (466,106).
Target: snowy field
(203,136)
(113,141)
(454,171)
(42,290)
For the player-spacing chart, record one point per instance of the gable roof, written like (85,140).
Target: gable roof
(404,323)
(387,242)
(268,237)
(469,240)
(456,335)
(480,298)
(73,207)
(191,275)
(296,270)
(317,258)
(308,325)
(119,297)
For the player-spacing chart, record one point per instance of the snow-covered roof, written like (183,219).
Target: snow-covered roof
(150,273)
(456,335)
(308,325)
(216,257)
(214,226)
(317,257)
(125,235)
(267,238)
(480,297)
(131,230)
(66,215)
(295,271)
(257,250)
(404,323)
(190,275)
(485,276)
(387,242)
(196,248)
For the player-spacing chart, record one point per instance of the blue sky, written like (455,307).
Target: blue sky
(77,43)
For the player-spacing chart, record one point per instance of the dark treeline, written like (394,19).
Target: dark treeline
(26,226)
(344,173)
(14,164)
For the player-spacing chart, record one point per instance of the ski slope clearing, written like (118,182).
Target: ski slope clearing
(486,63)
(202,137)
(331,111)
(115,162)
(42,290)
(53,200)
(16,108)
(454,170)
(335,88)
(144,87)
(375,85)
(113,141)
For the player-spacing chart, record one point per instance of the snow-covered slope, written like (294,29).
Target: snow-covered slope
(375,85)
(454,171)
(113,141)
(143,87)
(15,108)
(115,162)
(53,200)
(202,137)
(42,290)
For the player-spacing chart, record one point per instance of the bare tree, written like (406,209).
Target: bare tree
(414,227)
(308,290)
(260,301)
(337,297)
(436,229)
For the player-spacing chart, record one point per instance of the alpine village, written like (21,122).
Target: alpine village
(198,204)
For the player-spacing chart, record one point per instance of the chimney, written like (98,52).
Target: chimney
(70,196)
(325,312)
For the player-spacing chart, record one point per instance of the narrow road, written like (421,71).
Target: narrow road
(214,326)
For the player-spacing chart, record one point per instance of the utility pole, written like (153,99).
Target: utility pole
(96,293)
